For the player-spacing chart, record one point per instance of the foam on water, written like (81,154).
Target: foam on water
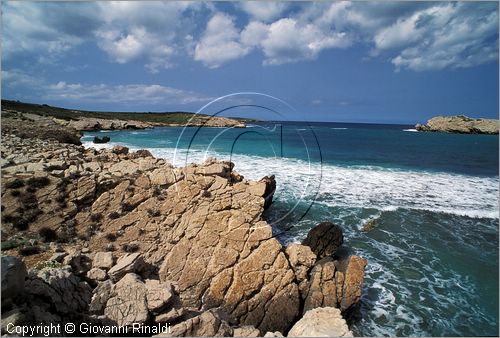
(411,130)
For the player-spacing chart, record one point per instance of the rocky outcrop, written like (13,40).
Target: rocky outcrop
(321,322)
(459,124)
(13,274)
(88,124)
(210,323)
(324,239)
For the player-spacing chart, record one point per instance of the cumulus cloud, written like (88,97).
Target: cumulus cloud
(416,36)
(136,94)
(263,10)
(220,42)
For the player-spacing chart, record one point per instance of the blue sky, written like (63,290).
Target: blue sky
(389,62)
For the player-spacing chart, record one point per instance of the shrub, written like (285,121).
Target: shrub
(11,244)
(126,207)
(38,182)
(15,193)
(96,217)
(130,247)
(47,234)
(17,183)
(154,212)
(114,215)
(20,223)
(110,237)
(29,250)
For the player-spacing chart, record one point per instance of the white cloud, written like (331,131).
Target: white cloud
(287,40)
(411,35)
(122,94)
(220,42)
(263,10)
(134,94)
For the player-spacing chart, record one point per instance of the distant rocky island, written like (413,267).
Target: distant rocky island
(459,124)
(110,238)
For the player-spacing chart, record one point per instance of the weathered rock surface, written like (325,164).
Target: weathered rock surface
(210,323)
(128,302)
(126,264)
(65,291)
(335,283)
(103,260)
(301,259)
(321,322)
(246,331)
(459,124)
(324,239)
(13,274)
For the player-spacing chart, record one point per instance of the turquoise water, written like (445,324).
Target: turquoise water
(433,252)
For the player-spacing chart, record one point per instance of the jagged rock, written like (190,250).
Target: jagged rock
(64,291)
(103,260)
(120,150)
(321,322)
(301,259)
(79,262)
(270,183)
(324,239)
(335,283)
(273,334)
(158,294)
(322,288)
(354,276)
(13,274)
(128,263)
(100,296)
(246,331)
(174,312)
(128,303)
(97,274)
(210,323)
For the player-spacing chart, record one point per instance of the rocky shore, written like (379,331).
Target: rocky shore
(459,124)
(112,237)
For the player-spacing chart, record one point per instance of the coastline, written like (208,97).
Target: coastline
(105,219)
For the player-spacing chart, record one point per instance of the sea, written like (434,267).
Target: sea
(422,208)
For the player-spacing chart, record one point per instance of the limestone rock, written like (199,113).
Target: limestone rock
(100,296)
(273,334)
(158,294)
(64,291)
(321,322)
(103,260)
(13,274)
(128,303)
(97,274)
(324,239)
(460,124)
(246,331)
(120,150)
(128,263)
(210,323)
(354,276)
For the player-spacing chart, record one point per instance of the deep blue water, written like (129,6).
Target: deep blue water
(433,253)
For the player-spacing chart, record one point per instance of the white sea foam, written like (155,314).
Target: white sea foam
(362,187)
(339,128)
(412,130)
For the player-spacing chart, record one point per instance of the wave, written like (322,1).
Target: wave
(411,130)
(359,187)
(339,128)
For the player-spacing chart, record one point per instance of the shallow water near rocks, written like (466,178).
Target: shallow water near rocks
(432,246)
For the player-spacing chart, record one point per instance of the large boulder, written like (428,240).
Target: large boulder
(128,303)
(301,259)
(210,323)
(324,239)
(13,275)
(220,252)
(335,283)
(60,288)
(321,322)
(126,264)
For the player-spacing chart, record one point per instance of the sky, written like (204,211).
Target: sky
(381,62)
